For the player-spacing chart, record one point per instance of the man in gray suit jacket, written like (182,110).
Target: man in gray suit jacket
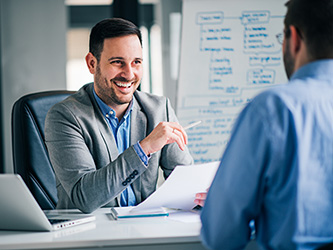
(107,141)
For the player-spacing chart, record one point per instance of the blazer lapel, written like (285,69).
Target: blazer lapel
(138,132)
(104,127)
(138,124)
(109,140)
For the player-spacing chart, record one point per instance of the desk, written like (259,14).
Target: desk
(136,234)
(178,231)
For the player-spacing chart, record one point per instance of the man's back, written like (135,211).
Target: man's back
(283,155)
(277,167)
(313,112)
(309,98)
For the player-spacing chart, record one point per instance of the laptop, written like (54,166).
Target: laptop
(20,211)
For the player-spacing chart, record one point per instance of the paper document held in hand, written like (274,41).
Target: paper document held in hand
(179,190)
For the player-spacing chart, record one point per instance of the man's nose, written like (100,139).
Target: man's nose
(128,71)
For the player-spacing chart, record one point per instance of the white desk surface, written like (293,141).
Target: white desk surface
(134,233)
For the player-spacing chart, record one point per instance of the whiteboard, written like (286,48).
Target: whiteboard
(229,54)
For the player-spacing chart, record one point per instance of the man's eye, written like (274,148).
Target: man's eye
(138,62)
(116,62)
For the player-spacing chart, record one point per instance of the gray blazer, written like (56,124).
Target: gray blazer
(90,173)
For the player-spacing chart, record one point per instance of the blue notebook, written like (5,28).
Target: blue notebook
(126,212)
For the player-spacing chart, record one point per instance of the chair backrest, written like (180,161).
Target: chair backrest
(30,155)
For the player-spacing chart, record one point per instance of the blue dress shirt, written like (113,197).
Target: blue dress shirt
(277,169)
(121,132)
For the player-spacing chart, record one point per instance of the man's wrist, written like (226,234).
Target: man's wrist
(141,153)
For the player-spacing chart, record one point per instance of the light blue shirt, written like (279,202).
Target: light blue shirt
(277,169)
(121,132)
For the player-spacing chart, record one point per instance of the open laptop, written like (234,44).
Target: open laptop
(20,211)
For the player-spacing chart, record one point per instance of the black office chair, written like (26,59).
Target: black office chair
(30,155)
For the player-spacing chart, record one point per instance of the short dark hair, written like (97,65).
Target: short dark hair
(110,28)
(314,21)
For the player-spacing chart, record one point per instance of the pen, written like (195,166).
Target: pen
(192,125)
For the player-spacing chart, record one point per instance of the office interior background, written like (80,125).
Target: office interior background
(43,44)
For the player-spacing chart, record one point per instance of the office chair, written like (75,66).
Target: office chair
(30,155)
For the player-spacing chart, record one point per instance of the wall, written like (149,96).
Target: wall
(163,11)
(33,54)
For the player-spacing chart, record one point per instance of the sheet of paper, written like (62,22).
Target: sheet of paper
(179,190)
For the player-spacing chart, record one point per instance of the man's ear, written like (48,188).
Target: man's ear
(295,40)
(91,62)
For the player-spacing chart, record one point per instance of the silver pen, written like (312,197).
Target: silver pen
(191,125)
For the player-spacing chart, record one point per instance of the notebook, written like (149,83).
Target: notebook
(20,211)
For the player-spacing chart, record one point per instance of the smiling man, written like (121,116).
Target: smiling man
(107,141)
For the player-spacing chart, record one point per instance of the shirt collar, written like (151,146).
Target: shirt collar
(109,112)
(320,69)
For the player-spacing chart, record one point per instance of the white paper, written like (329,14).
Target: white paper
(185,216)
(179,190)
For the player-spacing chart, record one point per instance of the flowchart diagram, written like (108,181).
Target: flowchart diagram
(228,56)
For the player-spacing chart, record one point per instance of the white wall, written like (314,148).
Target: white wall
(33,54)
(163,11)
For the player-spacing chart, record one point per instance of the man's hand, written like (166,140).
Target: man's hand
(200,199)
(164,133)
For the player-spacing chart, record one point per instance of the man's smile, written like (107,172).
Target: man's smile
(123,84)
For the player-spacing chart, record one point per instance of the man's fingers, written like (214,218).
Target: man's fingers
(199,202)
(179,139)
(202,195)
(200,198)
(164,133)
(180,131)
